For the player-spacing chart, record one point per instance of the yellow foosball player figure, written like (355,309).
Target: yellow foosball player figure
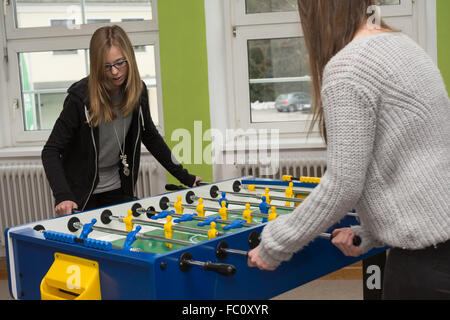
(289,193)
(200,208)
(266,194)
(272,214)
(247,214)
(178,206)
(168,232)
(212,233)
(223,211)
(128,220)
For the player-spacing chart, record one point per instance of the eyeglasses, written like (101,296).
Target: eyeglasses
(118,65)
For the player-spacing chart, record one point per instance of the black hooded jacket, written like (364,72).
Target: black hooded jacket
(70,156)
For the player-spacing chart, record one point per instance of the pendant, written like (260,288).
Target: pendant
(126,170)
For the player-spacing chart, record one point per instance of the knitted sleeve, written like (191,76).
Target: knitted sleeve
(350,117)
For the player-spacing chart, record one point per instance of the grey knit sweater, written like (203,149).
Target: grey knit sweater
(387,114)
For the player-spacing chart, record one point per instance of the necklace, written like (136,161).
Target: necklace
(123,156)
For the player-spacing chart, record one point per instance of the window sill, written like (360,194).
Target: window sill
(20,152)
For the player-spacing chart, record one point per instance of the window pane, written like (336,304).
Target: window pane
(31,13)
(388,2)
(261,6)
(45,77)
(279,82)
(264,6)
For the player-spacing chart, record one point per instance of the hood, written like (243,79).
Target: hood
(80,89)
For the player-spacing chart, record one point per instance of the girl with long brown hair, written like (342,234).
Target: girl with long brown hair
(92,156)
(384,113)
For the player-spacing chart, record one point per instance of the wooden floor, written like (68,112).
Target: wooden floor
(3,271)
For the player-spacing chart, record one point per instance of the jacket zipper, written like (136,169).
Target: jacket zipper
(135,147)
(95,149)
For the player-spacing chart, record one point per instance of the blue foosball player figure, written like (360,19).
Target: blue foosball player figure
(264,208)
(223,199)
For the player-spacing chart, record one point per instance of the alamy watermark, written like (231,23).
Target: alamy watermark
(233,147)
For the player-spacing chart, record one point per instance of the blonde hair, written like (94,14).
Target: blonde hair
(99,90)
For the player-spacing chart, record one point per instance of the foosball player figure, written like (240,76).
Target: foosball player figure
(223,211)
(289,193)
(272,214)
(200,208)
(178,206)
(267,195)
(223,199)
(128,220)
(168,232)
(212,233)
(247,214)
(264,208)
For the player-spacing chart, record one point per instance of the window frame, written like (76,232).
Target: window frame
(242,91)
(266,26)
(405,8)
(17,40)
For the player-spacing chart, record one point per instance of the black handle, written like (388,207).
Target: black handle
(356,240)
(221,268)
(173,187)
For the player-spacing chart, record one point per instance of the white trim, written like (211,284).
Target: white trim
(78,30)
(431,27)
(405,8)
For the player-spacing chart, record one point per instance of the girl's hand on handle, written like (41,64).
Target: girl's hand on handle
(197,179)
(65,207)
(343,240)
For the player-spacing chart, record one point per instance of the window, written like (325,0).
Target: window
(48,50)
(270,61)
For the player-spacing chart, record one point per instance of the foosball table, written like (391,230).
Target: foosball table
(191,243)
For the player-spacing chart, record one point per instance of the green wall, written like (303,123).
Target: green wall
(185,89)
(443,39)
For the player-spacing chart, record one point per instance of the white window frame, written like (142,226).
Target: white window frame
(267,25)
(62,38)
(405,8)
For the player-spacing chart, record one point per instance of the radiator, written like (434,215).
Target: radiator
(311,167)
(25,194)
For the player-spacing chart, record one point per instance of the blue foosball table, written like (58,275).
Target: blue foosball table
(187,244)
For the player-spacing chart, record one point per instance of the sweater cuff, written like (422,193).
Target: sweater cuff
(271,257)
(367,241)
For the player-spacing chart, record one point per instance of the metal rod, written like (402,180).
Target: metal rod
(190,206)
(79,225)
(235,251)
(252,204)
(302,191)
(241,194)
(161,225)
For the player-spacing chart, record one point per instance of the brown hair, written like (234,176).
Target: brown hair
(328,26)
(99,91)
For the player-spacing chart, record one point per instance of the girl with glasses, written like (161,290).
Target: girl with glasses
(92,156)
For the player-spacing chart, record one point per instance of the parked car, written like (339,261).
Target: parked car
(293,101)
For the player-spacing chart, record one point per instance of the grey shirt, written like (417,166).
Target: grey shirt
(387,114)
(110,135)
